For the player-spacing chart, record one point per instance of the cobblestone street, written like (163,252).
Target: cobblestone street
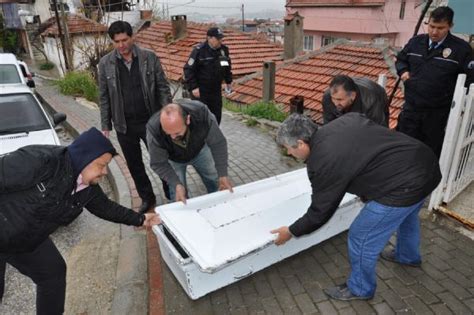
(443,285)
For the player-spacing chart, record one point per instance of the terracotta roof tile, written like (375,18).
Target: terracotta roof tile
(174,54)
(310,77)
(77,24)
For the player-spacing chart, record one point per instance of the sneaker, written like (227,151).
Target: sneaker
(389,255)
(342,293)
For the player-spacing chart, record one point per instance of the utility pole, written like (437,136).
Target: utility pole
(67,41)
(61,37)
(243,21)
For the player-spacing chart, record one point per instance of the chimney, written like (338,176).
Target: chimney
(293,42)
(297,104)
(178,26)
(268,81)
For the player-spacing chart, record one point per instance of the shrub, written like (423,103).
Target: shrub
(79,83)
(270,111)
(46,66)
(265,110)
(251,122)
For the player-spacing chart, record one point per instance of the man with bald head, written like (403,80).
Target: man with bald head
(186,133)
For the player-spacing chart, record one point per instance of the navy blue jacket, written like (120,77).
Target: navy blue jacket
(204,69)
(37,195)
(433,75)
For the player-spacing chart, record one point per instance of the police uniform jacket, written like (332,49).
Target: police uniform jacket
(207,68)
(433,74)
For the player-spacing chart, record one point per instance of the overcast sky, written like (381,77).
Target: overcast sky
(223,6)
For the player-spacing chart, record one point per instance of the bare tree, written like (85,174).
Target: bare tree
(92,47)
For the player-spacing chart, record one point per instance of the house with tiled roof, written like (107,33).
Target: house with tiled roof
(84,34)
(309,76)
(173,42)
(358,20)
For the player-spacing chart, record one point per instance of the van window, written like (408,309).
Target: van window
(9,74)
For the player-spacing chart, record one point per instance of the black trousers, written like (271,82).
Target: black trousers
(47,268)
(428,126)
(130,144)
(213,100)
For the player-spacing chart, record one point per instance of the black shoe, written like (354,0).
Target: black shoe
(146,206)
(389,255)
(342,293)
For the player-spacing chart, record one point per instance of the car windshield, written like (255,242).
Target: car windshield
(9,74)
(21,113)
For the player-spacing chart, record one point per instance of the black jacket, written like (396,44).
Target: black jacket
(353,154)
(371,100)
(36,197)
(433,75)
(203,130)
(155,88)
(206,68)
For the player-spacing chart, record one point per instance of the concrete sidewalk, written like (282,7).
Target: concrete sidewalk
(443,285)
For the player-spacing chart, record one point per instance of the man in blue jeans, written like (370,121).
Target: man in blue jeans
(186,133)
(392,172)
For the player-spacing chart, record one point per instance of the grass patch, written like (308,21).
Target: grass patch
(79,83)
(46,66)
(231,106)
(270,111)
(251,122)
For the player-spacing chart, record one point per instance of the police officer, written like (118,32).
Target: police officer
(429,65)
(209,64)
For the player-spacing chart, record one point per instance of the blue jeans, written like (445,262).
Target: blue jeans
(204,165)
(368,235)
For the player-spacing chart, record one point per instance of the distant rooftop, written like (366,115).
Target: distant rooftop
(247,53)
(77,24)
(310,75)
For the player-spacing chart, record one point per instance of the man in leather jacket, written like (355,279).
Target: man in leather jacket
(43,187)
(208,65)
(132,88)
(359,95)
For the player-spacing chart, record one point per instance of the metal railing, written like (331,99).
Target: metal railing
(457,155)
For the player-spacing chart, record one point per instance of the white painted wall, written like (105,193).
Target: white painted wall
(79,43)
(132,17)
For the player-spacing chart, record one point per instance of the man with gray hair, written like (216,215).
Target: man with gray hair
(392,172)
(186,133)
(360,95)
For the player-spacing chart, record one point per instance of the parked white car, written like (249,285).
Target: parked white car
(23,120)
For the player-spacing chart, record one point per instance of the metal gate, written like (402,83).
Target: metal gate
(457,155)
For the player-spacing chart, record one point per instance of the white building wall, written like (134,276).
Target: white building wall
(79,59)
(52,49)
(132,17)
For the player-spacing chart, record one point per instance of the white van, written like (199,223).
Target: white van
(13,71)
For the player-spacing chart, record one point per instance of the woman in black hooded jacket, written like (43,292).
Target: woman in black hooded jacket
(43,187)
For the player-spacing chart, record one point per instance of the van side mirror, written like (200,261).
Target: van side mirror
(31,83)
